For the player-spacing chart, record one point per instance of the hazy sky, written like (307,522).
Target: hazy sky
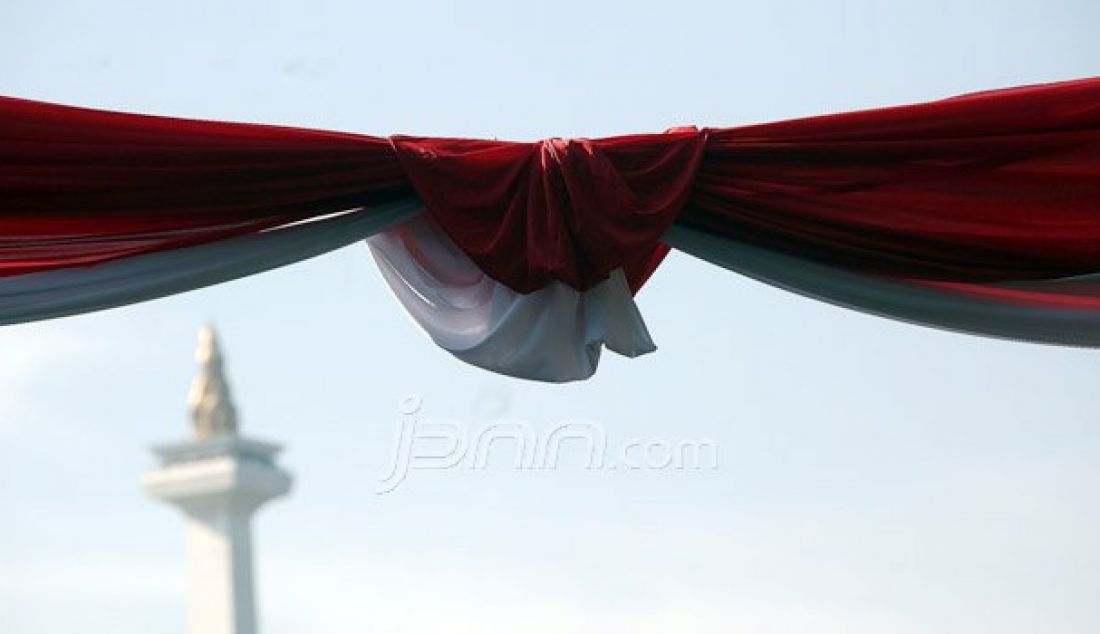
(873,476)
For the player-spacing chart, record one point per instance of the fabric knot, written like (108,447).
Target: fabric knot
(559,209)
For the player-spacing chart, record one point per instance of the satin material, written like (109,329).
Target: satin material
(979,214)
(62,292)
(990,187)
(80,187)
(554,334)
(1062,312)
(570,210)
(993,187)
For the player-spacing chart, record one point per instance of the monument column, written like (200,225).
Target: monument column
(218,480)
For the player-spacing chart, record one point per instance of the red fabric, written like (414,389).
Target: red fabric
(572,210)
(1080,297)
(988,187)
(992,186)
(79,186)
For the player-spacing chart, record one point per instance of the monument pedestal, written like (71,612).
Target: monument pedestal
(219,483)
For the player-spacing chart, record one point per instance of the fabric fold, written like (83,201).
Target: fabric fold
(1058,312)
(978,213)
(553,334)
(570,210)
(71,291)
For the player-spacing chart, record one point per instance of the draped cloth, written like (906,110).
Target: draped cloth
(553,333)
(75,290)
(978,213)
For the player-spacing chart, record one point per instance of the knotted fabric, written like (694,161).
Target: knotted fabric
(561,209)
(979,213)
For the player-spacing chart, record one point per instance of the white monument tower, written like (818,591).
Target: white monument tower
(218,480)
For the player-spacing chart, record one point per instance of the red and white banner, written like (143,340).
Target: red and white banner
(979,213)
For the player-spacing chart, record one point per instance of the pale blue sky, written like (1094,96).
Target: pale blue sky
(873,476)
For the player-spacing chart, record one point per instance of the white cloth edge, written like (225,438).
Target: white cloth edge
(554,334)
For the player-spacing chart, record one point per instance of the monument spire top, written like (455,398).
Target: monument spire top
(209,401)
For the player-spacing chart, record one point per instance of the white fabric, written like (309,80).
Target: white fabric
(119,282)
(554,334)
(939,308)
